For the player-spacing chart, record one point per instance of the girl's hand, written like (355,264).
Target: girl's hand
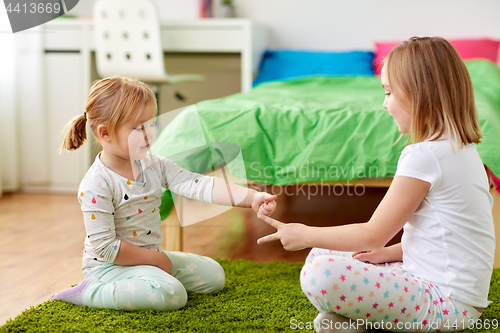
(264,203)
(267,208)
(373,257)
(163,262)
(293,236)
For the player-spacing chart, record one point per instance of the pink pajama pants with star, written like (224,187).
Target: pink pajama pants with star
(384,293)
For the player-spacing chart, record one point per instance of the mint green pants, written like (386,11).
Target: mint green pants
(148,287)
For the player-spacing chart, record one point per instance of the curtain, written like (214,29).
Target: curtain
(8,123)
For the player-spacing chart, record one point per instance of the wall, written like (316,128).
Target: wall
(8,131)
(169,9)
(349,24)
(355,24)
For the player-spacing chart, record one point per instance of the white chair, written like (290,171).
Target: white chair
(128,43)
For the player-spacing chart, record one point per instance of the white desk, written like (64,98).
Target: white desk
(204,35)
(62,91)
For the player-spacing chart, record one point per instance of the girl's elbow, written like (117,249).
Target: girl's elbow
(106,251)
(372,243)
(373,240)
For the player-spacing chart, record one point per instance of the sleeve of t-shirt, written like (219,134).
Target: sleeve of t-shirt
(184,182)
(419,161)
(96,200)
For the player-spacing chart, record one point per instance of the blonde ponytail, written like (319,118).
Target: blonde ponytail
(74,133)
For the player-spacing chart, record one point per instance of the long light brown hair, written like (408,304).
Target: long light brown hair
(430,80)
(112,101)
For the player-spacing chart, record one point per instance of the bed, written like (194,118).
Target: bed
(309,129)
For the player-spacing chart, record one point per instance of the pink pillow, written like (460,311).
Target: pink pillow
(467,48)
(496,181)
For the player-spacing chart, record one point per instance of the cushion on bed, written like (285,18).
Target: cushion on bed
(467,48)
(286,64)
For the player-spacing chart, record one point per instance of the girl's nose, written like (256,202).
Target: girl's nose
(150,135)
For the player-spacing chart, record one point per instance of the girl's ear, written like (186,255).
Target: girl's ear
(102,132)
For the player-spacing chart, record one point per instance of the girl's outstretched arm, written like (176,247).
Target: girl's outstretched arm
(400,202)
(229,194)
(199,187)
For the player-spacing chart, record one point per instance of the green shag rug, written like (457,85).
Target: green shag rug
(258,297)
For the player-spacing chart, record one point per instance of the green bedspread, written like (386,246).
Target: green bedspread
(313,129)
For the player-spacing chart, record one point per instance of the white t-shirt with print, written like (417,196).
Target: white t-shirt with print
(450,240)
(116,208)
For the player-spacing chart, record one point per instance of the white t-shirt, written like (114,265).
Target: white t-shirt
(116,208)
(450,240)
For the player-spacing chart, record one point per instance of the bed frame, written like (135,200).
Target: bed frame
(173,232)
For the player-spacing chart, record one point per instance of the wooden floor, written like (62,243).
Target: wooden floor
(41,239)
